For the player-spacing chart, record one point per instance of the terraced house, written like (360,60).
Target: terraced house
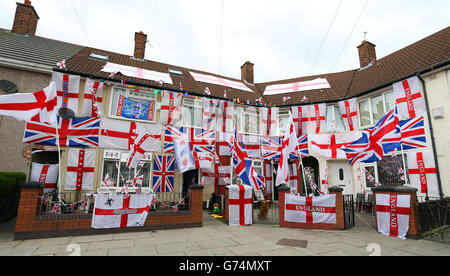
(135,78)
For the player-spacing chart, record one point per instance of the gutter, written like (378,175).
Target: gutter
(23,65)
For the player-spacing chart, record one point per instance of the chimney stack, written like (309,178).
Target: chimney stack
(247,72)
(367,53)
(140,40)
(26,19)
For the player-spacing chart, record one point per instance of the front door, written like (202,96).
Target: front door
(340,175)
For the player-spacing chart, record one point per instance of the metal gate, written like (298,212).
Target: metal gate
(266,212)
(434,219)
(349,212)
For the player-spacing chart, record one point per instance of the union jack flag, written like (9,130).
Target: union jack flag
(376,141)
(163,173)
(413,134)
(303,145)
(271,147)
(200,140)
(243,164)
(76,132)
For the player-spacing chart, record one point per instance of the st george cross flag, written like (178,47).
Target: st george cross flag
(268,121)
(76,132)
(117,211)
(252,145)
(329,145)
(349,113)
(300,116)
(393,214)
(422,172)
(317,117)
(240,201)
(218,175)
(310,210)
(199,140)
(80,169)
(224,143)
(132,109)
(149,139)
(118,134)
(209,113)
(225,117)
(38,106)
(413,134)
(93,98)
(409,97)
(67,89)
(163,173)
(170,108)
(46,174)
(289,145)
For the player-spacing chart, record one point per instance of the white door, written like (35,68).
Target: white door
(340,175)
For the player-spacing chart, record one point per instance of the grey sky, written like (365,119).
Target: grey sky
(280,37)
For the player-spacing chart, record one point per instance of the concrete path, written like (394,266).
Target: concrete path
(218,239)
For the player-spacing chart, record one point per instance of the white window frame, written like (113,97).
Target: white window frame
(129,95)
(196,105)
(337,111)
(369,99)
(254,164)
(375,165)
(285,112)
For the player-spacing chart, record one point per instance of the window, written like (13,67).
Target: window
(283,119)
(365,113)
(175,72)
(192,113)
(390,170)
(138,96)
(247,120)
(377,108)
(341,174)
(373,109)
(99,56)
(257,166)
(334,119)
(115,165)
(370,176)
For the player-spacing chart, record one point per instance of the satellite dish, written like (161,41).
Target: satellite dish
(66,113)
(8,87)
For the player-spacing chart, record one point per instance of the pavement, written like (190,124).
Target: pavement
(218,239)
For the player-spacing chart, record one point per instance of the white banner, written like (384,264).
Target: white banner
(311,210)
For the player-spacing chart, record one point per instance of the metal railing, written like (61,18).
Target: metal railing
(349,211)
(434,219)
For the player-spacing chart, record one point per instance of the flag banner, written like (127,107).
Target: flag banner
(300,116)
(319,83)
(310,210)
(252,145)
(170,111)
(271,148)
(46,174)
(199,140)
(163,173)
(393,214)
(422,172)
(138,73)
(38,106)
(118,211)
(220,81)
(268,121)
(148,140)
(93,98)
(76,132)
(117,134)
(218,175)
(67,90)
(138,110)
(225,117)
(289,144)
(209,113)
(80,169)
(409,99)
(349,113)
(329,145)
(413,134)
(224,143)
(293,178)
(317,117)
(240,201)
(183,154)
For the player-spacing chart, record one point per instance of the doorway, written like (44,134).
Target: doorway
(311,164)
(190,178)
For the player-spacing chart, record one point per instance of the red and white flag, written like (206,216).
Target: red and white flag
(268,121)
(170,108)
(224,142)
(46,174)
(225,117)
(107,181)
(422,172)
(317,117)
(148,140)
(393,214)
(252,145)
(410,102)
(67,89)
(310,210)
(268,175)
(117,134)
(38,106)
(293,178)
(349,113)
(289,145)
(93,98)
(300,116)
(218,175)
(117,211)
(329,145)
(240,201)
(80,169)
(209,113)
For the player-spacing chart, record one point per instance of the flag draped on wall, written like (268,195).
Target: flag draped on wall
(67,90)
(46,174)
(199,140)
(268,121)
(209,113)
(170,108)
(149,139)
(80,169)
(317,117)
(300,116)
(409,99)
(240,202)
(422,172)
(163,173)
(225,117)
(93,98)
(138,110)
(117,134)
(329,145)
(393,214)
(310,210)
(349,113)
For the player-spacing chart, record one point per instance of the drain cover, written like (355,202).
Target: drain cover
(293,243)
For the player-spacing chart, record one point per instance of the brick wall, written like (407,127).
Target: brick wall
(30,225)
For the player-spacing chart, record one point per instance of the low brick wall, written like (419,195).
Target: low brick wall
(340,224)
(29,225)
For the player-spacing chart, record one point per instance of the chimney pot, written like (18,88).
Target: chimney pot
(367,53)
(247,73)
(26,19)
(140,40)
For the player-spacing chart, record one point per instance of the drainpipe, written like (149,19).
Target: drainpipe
(441,194)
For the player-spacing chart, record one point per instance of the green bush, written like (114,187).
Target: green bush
(10,184)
